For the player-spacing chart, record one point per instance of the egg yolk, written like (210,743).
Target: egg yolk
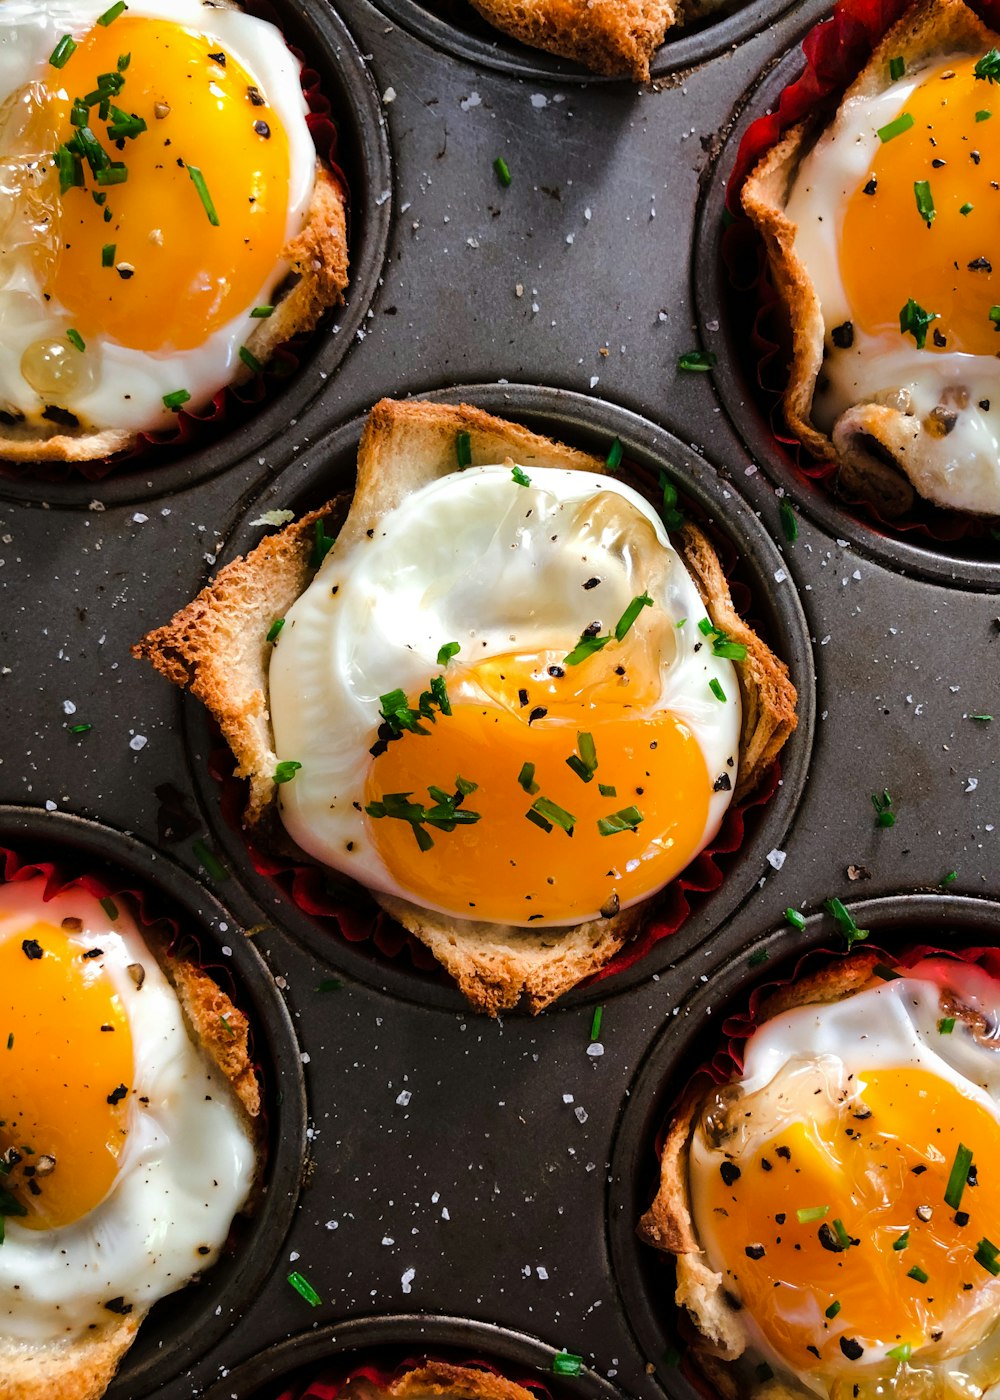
(190,226)
(66,1077)
(949,157)
(836,1235)
(541,846)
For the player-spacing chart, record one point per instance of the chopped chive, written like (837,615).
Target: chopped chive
(503,171)
(175,400)
(729,651)
(983,116)
(917,1273)
(717,690)
(322,544)
(789,522)
(845,922)
(584,765)
(797,920)
(261,313)
(615,453)
(63,51)
(465,786)
(463,450)
(706,626)
(125,126)
(209,861)
(946,1025)
(902,1242)
(80,728)
(109,906)
(198,180)
(759,958)
(595,1025)
(833,1310)
(892,129)
(995,314)
(520,477)
(111,15)
(76,339)
(552,812)
(250,360)
(329,984)
(625,820)
(982,719)
(624,623)
(124,59)
(697,361)
(840,1230)
(988,66)
(526,778)
(116,174)
(303,1287)
(70,168)
(108,255)
(958,1176)
(948,879)
(897,67)
(884,815)
(607,789)
(914,320)
(925,201)
(286,770)
(227,1027)
(10,1041)
(672,517)
(537,819)
(966,209)
(446,652)
(274,629)
(986,1257)
(810,1213)
(900,1353)
(566,1363)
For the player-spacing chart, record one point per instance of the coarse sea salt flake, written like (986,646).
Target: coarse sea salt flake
(776,859)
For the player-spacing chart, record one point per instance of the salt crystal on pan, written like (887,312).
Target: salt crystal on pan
(776,859)
(50,806)
(595,1050)
(972,784)
(581,1113)
(407,1279)
(567,1098)
(137,742)
(539,100)
(389,95)
(139,518)
(387,1240)
(542,1272)
(404,1098)
(595,379)
(780,575)
(68,707)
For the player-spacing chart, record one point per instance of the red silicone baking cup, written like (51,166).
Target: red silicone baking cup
(329,1382)
(232,404)
(835,52)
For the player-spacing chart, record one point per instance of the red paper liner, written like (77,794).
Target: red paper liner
(835,51)
(329,1382)
(349,911)
(234,404)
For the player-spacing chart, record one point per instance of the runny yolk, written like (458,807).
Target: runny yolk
(66,1077)
(888,254)
(174,277)
(511,711)
(878,1177)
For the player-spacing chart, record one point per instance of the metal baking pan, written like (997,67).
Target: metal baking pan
(452,1166)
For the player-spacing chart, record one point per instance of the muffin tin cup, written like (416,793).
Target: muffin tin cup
(328,467)
(317,30)
(183,1326)
(969,562)
(389,1341)
(644,1275)
(456,28)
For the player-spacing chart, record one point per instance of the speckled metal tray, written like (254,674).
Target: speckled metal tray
(447,1182)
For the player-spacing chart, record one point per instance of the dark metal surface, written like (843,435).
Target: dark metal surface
(483,1194)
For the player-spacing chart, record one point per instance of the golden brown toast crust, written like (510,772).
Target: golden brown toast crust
(317,257)
(217,646)
(467,1382)
(614,37)
(931,28)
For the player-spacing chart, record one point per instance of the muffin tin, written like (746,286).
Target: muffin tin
(455,1166)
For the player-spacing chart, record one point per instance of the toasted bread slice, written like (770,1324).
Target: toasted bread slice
(721,1336)
(317,260)
(440,1378)
(614,37)
(882,452)
(81,1367)
(217,646)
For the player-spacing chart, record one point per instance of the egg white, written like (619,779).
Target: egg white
(468,558)
(131,383)
(961,470)
(185,1170)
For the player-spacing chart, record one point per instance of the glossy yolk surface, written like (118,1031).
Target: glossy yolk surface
(189,276)
(871,1173)
(66,1049)
(888,254)
(510,711)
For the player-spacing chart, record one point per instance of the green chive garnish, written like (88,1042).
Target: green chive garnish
(982,719)
(552,812)
(584,763)
(810,1213)
(304,1287)
(759,958)
(175,400)
(624,623)
(789,522)
(198,180)
(833,1310)
(111,15)
(797,920)
(884,815)
(958,1176)
(108,255)
(503,171)
(900,1353)
(116,174)
(966,209)
(995,314)
(983,116)
(520,477)
(897,67)
(914,320)
(10,1041)
(988,66)
(840,1230)
(588,643)
(717,690)
(902,1242)
(463,450)
(615,453)
(63,51)
(729,651)
(698,361)
(322,544)
(261,313)
(109,906)
(80,728)
(124,59)
(845,922)
(329,984)
(526,778)
(446,652)
(625,820)
(250,360)
(566,1363)
(210,862)
(286,770)
(946,1025)
(607,789)
(76,339)
(948,879)
(925,201)
(275,628)
(595,1025)
(986,1257)
(895,128)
